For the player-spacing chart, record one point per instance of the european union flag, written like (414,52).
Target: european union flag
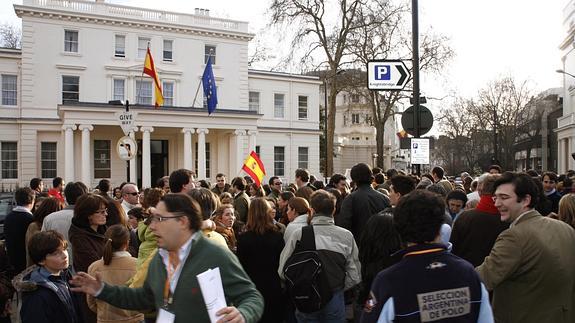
(210,90)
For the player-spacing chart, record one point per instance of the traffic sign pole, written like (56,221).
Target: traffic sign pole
(416,94)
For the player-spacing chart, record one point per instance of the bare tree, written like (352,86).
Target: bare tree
(10,36)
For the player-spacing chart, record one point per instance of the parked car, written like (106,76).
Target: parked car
(7,203)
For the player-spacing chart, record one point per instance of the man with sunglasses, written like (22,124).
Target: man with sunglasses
(171,286)
(130,197)
(276,187)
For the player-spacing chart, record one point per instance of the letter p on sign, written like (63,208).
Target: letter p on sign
(382,72)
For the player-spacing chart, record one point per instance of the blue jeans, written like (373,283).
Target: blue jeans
(333,312)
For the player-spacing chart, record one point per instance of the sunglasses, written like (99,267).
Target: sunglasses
(278,183)
(133,193)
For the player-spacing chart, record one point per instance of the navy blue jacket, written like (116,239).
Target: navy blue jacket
(428,284)
(15,226)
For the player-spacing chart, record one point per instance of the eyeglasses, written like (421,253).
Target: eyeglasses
(278,183)
(157,218)
(133,193)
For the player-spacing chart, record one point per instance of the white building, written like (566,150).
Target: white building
(78,55)
(566,124)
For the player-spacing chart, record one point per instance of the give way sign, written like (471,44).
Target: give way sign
(126,120)
(388,75)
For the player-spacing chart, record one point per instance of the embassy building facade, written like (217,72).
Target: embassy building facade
(77,56)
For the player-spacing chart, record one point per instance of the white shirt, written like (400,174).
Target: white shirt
(183,253)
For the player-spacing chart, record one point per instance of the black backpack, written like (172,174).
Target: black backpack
(306,280)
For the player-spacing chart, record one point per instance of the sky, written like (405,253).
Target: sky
(491,38)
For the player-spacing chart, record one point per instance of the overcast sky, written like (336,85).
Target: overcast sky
(491,38)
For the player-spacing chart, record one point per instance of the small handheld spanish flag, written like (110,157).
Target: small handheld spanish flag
(254,167)
(150,70)
(402,134)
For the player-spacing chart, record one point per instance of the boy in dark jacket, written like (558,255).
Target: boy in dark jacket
(46,295)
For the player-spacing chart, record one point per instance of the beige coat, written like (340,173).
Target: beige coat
(118,272)
(531,270)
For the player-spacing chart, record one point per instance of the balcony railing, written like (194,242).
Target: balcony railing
(143,14)
(566,120)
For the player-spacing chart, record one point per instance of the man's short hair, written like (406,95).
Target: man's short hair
(437,189)
(24,196)
(390,173)
(271,180)
(361,174)
(104,185)
(184,204)
(303,174)
(57,181)
(496,167)
(379,178)
(523,185)
(376,170)
(335,179)
(418,216)
(322,202)
(402,184)
(438,171)
(180,178)
(35,183)
(73,191)
(239,183)
(551,175)
(287,195)
(488,184)
(43,243)
(457,195)
(220,175)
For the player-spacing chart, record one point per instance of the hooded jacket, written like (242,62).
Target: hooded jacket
(45,297)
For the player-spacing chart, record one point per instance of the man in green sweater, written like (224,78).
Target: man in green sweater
(171,286)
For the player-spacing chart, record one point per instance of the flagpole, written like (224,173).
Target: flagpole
(196,96)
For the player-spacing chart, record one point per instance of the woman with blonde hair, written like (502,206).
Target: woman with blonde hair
(116,267)
(259,250)
(148,242)
(224,218)
(567,209)
(298,214)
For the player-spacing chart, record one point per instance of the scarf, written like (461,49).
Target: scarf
(487,205)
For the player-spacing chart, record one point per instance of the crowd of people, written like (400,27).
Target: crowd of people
(387,246)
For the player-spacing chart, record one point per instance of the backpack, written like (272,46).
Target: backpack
(306,279)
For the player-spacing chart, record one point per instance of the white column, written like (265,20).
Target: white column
(570,142)
(146,162)
(252,140)
(560,156)
(239,150)
(188,157)
(69,152)
(202,152)
(134,161)
(86,172)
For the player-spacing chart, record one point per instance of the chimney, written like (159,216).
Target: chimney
(197,11)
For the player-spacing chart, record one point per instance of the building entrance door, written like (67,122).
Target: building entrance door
(158,160)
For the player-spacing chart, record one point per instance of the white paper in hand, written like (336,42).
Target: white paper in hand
(212,289)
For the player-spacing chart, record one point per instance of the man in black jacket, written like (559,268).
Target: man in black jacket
(364,202)
(15,226)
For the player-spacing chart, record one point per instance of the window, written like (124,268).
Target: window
(102,159)
(207,158)
(168,92)
(71,41)
(168,51)
(302,157)
(355,98)
(120,47)
(278,105)
(210,52)
(258,150)
(9,159)
(254,101)
(143,46)
(119,88)
(144,92)
(70,89)
(48,160)
(302,107)
(9,90)
(279,161)
(355,118)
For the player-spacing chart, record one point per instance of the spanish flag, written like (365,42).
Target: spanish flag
(402,134)
(254,167)
(150,70)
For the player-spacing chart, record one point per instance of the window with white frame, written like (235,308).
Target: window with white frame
(71,41)
(143,46)
(120,46)
(9,90)
(102,153)
(168,50)
(302,157)
(355,118)
(254,101)
(258,149)
(279,105)
(144,93)
(9,159)
(210,52)
(279,161)
(168,92)
(70,88)
(119,88)
(48,161)
(355,98)
(207,158)
(302,107)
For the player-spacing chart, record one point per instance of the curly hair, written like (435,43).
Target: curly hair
(418,216)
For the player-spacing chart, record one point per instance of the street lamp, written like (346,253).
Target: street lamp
(563,72)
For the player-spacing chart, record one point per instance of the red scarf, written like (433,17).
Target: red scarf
(487,205)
